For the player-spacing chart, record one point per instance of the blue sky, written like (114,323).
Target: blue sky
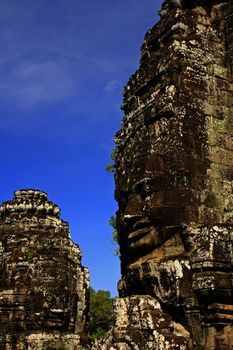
(63,66)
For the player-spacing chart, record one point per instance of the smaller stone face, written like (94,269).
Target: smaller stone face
(43,286)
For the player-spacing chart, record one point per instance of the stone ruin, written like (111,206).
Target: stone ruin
(43,286)
(174,187)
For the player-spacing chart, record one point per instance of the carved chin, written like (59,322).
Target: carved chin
(143,238)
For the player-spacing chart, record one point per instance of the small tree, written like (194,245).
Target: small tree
(101,313)
(114,240)
(110,167)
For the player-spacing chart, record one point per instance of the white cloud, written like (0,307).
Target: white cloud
(113,85)
(37,81)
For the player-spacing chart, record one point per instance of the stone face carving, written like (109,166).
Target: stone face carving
(43,286)
(174,185)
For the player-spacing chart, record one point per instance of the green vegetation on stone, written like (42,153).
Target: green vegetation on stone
(114,240)
(110,167)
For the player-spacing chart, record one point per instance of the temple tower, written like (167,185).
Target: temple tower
(43,286)
(174,184)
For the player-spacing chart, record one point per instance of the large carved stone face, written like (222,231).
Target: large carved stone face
(156,200)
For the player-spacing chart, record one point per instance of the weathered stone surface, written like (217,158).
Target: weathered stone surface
(141,324)
(43,286)
(174,183)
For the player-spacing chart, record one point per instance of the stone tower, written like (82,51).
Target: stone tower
(174,185)
(43,286)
